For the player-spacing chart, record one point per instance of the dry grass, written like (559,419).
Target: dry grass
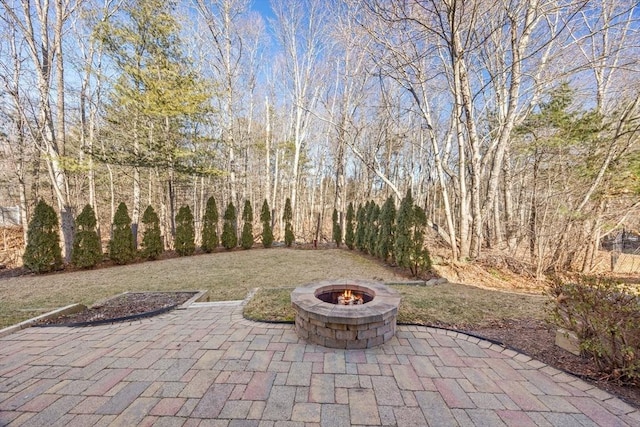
(459,306)
(227,276)
(231,275)
(450,305)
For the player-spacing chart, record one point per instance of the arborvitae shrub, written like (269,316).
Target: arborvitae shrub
(384,245)
(349,236)
(185,232)
(246,239)
(229,234)
(287,217)
(419,255)
(265,218)
(152,245)
(404,228)
(362,227)
(121,246)
(210,239)
(43,253)
(87,250)
(336,229)
(372,228)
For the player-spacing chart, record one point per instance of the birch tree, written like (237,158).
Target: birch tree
(300,32)
(40,25)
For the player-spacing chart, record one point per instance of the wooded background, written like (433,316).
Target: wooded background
(515,123)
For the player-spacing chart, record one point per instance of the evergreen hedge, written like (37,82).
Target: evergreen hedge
(287,217)
(185,232)
(336,229)
(43,253)
(229,234)
(265,218)
(210,239)
(404,227)
(246,238)
(152,245)
(349,236)
(87,249)
(121,246)
(384,244)
(372,228)
(362,226)
(418,254)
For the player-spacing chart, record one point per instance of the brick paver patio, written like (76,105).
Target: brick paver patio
(207,366)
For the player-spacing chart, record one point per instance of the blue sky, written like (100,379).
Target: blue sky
(262,6)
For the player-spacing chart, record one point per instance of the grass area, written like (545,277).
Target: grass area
(271,305)
(227,276)
(454,305)
(451,305)
(231,275)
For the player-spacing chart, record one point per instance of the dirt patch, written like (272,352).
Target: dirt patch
(123,307)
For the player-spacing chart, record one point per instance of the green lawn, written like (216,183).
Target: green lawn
(231,275)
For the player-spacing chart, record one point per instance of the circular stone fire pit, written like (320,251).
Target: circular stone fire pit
(321,320)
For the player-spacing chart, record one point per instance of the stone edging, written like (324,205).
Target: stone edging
(200,295)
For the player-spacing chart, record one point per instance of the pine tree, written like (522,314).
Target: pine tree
(210,239)
(229,233)
(152,245)
(43,253)
(246,240)
(362,226)
(87,250)
(349,237)
(336,229)
(265,218)
(185,232)
(384,245)
(287,217)
(121,247)
(418,254)
(404,227)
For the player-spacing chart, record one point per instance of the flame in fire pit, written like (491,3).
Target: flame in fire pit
(349,298)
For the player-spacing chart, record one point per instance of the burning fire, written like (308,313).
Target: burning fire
(349,298)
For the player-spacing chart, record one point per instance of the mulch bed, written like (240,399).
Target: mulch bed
(122,307)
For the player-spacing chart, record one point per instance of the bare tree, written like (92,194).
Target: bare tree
(300,32)
(43,38)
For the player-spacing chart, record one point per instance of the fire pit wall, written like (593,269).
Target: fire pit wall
(340,326)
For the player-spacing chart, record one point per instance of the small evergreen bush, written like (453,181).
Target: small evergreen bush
(287,217)
(362,227)
(372,228)
(43,252)
(87,250)
(229,233)
(152,246)
(121,247)
(384,244)
(185,232)
(349,236)
(265,218)
(246,239)
(404,227)
(336,229)
(419,255)
(210,239)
